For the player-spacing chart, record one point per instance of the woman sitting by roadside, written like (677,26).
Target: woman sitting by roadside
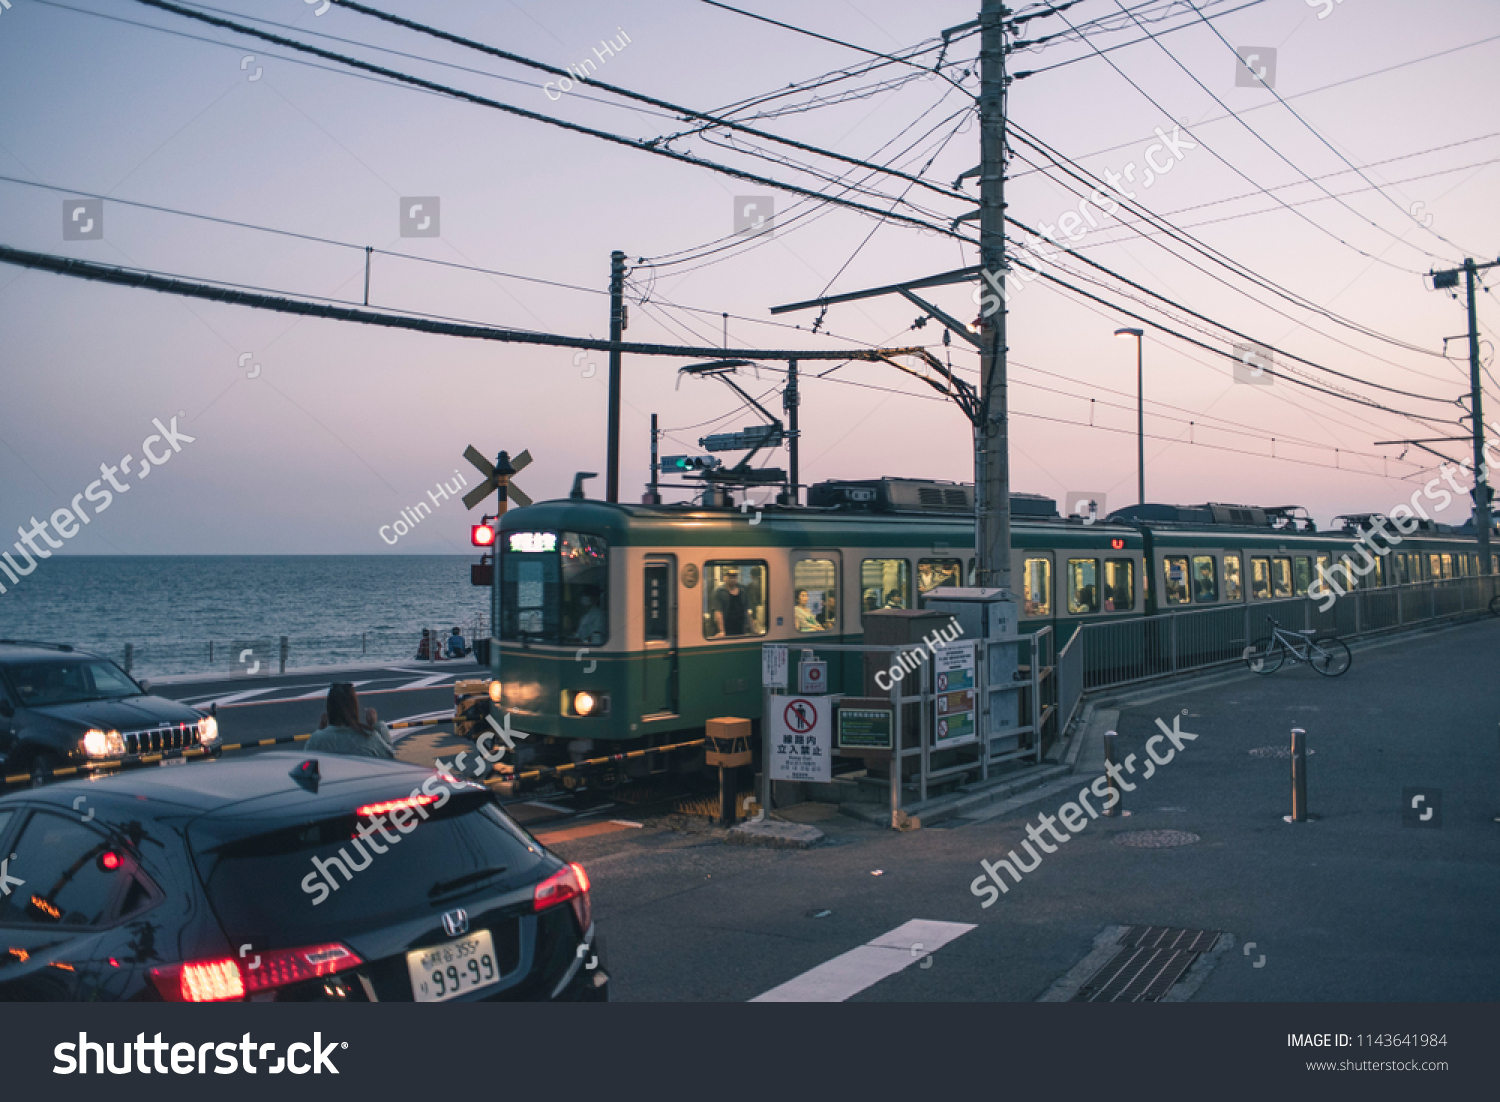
(340,730)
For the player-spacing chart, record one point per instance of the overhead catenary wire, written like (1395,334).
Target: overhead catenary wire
(1238,172)
(286,304)
(1406,211)
(534,116)
(1261,138)
(1096,185)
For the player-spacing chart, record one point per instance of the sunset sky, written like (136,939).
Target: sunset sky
(309,435)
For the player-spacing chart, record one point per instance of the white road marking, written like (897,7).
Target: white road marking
(850,973)
(317,694)
(232,698)
(548,807)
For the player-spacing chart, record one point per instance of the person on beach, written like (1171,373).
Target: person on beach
(341,730)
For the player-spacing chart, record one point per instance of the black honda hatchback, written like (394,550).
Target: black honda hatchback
(284,877)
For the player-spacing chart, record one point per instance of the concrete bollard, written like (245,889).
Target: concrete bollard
(1114,787)
(1299,777)
(284,649)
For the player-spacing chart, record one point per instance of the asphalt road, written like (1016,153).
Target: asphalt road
(1352,906)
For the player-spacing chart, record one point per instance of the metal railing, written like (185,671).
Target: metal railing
(273,653)
(918,760)
(1171,643)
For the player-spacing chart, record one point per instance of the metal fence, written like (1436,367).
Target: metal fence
(272,653)
(1103,655)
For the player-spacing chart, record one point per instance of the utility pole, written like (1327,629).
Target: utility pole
(991,435)
(790,400)
(616,330)
(1443,281)
(1481,484)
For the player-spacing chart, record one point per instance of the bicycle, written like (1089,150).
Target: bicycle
(1495,605)
(1329,656)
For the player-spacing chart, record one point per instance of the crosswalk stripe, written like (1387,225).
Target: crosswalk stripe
(847,974)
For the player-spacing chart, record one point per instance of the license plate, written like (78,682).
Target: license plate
(174,761)
(443,972)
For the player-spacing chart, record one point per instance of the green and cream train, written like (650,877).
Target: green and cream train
(638,623)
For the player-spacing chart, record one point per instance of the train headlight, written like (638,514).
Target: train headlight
(103,744)
(590,704)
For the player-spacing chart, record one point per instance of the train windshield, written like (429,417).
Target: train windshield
(554,588)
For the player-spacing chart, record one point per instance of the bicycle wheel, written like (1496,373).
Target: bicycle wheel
(1330,657)
(1265,655)
(1495,605)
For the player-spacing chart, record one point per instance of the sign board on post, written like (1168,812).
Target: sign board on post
(865,724)
(812,676)
(801,743)
(773,666)
(953,688)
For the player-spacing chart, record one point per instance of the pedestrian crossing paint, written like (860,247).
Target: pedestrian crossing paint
(848,974)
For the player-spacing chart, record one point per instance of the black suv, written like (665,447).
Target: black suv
(60,707)
(286,878)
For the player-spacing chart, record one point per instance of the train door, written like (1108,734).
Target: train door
(659,663)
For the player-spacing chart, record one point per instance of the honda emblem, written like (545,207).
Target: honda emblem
(456,922)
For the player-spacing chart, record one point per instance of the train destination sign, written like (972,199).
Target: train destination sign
(801,739)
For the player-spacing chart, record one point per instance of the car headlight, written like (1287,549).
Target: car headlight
(103,744)
(495,691)
(208,730)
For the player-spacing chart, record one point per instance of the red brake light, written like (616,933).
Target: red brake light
(109,861)
(570,884)
(387,806)
(203,981)
(482,535)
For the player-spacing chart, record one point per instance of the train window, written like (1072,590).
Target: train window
(885,583)
(1434,568)
(972,572)
(1379,571)
(1301,575)
(555,587)
(1083,586)
(1205,579)
(1232,586)
(815,586)
(1037,582)
(1448,566)
(1281,577)
(1119,585)
(1322,567)
(1175,590)
(936,573)
(1260,579)
(734,599)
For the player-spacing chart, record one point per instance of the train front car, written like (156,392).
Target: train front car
(564,628)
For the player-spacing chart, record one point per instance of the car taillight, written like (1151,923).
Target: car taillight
(567,885)
(385,807)
(204,981)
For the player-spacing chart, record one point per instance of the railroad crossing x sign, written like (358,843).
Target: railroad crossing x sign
(494,478)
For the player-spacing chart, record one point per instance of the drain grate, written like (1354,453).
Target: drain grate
(1151,959)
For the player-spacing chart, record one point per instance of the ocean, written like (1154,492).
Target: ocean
(200,613)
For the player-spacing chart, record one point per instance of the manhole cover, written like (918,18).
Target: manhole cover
(1156,839)
(1274,752)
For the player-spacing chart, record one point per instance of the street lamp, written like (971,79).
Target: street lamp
(1140,407)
